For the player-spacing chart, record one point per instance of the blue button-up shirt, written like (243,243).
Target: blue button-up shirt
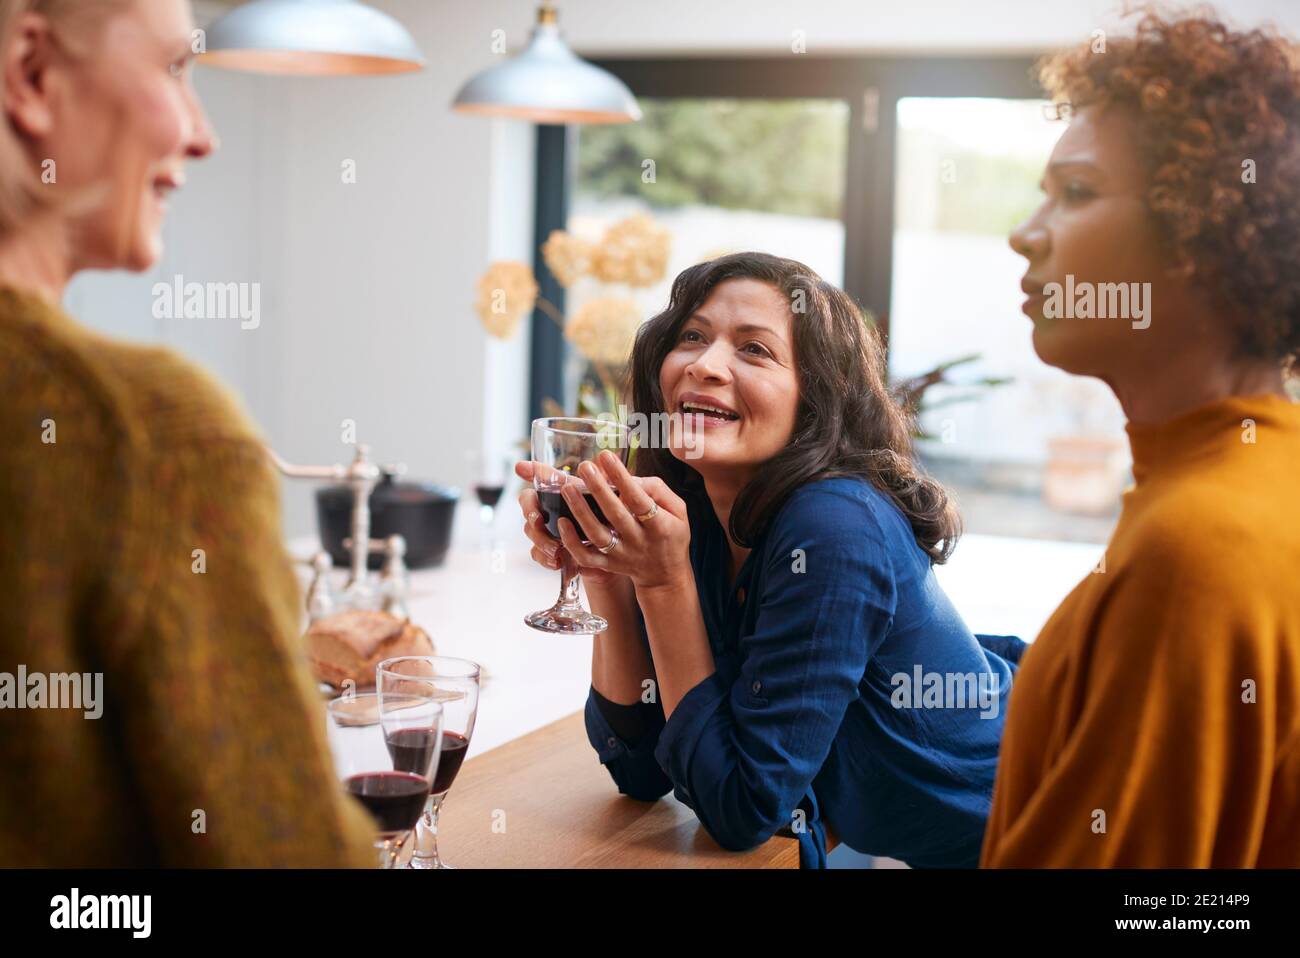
(847,691)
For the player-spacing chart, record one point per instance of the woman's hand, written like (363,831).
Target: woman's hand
(546,550)
(654,554)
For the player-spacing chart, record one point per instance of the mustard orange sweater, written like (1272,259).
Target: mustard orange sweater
(1156,719)
(118,464)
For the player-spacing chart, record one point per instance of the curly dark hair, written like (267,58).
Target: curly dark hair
(1206,99)
(847,422)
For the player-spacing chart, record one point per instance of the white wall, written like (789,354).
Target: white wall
(368,289)
(218,230)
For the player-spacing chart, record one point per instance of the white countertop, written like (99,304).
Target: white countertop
(474,606)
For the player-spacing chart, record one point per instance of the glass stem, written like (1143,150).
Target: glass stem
(426,843)
(390,850)
(570,584)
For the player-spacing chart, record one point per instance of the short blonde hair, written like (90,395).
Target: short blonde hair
(20,181)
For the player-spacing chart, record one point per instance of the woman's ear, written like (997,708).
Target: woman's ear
(25,64)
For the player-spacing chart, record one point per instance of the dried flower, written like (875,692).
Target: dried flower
(604,329)
(506,293)
(633,251)
(567,257)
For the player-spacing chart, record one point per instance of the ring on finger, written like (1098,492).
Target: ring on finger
(647,516)
(609,547)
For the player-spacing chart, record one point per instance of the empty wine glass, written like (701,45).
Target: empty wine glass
(454,684)
(560,446)
(389,776)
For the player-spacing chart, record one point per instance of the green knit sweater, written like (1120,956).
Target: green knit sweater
(117,463)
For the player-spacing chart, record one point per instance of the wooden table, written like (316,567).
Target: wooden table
(545,801)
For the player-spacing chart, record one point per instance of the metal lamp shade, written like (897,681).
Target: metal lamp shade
(547,83)
(311,38)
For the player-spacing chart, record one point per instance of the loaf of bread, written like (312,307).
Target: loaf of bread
(347,646)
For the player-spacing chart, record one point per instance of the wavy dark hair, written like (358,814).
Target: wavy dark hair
(847,423)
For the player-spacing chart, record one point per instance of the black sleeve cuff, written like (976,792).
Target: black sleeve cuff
(631,723)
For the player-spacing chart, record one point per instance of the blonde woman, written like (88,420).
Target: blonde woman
(196,741)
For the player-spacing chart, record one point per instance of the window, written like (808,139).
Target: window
(1045,454)
(721,175)
(897,178)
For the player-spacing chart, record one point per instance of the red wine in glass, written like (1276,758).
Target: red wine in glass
(554,507)
(454,749)
(394,799)
(560,446)
(412,748)
(489,495)
(456,683)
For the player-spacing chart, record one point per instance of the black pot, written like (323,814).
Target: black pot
(420,511)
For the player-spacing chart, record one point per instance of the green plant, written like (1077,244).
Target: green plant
(911,392)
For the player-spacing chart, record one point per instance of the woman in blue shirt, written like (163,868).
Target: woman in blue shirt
(779,653)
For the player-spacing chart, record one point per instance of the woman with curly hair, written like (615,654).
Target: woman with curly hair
(772,578)
(1156,720)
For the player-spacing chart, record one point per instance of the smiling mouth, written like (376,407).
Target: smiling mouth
(164,186)
(714,414)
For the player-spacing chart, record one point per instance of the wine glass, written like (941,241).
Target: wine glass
(454,684)
(489,486)
(560,446)
(388,774)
